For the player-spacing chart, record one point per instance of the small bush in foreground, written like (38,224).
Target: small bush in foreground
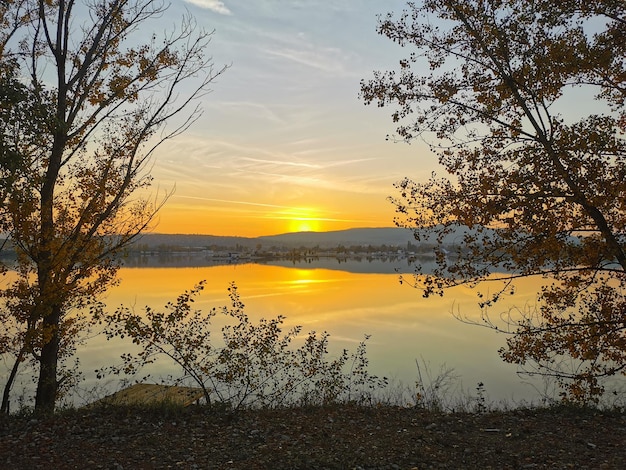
(252,364)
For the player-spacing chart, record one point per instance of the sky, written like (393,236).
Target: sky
(285,143)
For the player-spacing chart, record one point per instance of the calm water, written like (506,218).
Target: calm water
(403,325)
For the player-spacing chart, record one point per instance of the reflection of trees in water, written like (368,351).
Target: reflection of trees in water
(354,264)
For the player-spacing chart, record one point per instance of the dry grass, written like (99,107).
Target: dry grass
(153,394)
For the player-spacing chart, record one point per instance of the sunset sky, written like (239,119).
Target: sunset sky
(285,144)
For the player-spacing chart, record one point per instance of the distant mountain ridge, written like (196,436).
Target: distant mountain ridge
(355,236)
(390,236)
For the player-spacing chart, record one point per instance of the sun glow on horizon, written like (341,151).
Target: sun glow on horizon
(302,219)
(304,225)
(232,217)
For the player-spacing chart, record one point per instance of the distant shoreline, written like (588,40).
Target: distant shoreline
(356,264)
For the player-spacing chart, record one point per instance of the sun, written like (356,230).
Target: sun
(304,220)
(304,225)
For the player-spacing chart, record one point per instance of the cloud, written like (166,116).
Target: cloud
(269,112)
(214,5)
(231,201)
(240,167)
(280,162)
(329,60)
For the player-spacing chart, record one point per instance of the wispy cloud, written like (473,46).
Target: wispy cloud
(213,5)
(324,59)
(281,162)
(278,211)
(282,212)
(302,47)
(229,201)
(234,167)
(270,112)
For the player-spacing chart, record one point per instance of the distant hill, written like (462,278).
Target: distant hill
(358,236)
(155,240)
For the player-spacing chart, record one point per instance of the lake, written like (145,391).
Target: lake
(348,299)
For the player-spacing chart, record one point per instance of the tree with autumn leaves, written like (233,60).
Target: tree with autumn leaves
(88,101)
(523,102)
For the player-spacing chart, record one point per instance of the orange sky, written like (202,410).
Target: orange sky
(283,209)
(249,219)
(285,144)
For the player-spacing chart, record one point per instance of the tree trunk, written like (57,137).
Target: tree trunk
(48,293)
(7,388)
(47,385)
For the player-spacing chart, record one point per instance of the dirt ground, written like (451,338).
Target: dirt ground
(337,437)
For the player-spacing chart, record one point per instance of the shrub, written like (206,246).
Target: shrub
(254,364)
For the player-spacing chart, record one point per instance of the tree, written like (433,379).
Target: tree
(80,197)
(535,187)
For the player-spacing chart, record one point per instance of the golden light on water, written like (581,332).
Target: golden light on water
(403,325)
